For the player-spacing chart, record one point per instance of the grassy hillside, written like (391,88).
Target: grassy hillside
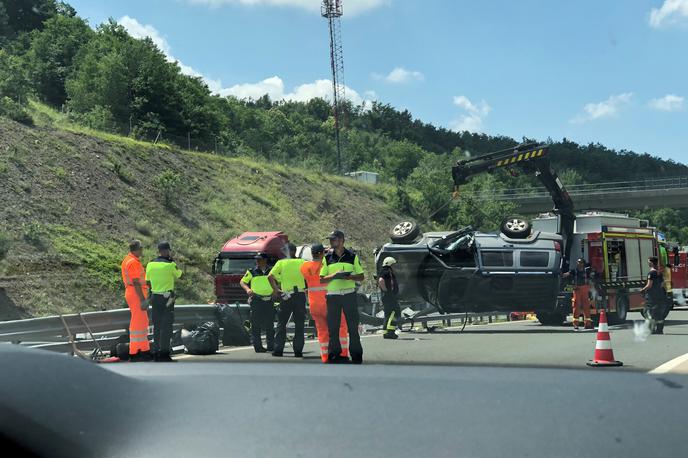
(71,199)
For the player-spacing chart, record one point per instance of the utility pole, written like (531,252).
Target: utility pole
(332,11)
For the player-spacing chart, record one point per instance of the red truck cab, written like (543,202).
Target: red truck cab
(238,255)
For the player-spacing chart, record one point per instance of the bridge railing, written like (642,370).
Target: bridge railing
(655,184)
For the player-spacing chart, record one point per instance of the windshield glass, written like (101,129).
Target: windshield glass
(462,183)
(234,265)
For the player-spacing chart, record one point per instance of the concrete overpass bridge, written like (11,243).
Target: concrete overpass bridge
(621,195)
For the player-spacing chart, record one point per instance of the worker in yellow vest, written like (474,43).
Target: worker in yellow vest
(289,285)
(162,273)
(317,303)
(257,285)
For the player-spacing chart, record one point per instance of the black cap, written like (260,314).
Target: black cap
(336,234)
(317,248)
(261,256)
(164,246)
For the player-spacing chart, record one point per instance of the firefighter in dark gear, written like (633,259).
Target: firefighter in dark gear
(580,276)
(341,269)
(257,285)
(161,273)
(387,282)
(292,291)
(655,298)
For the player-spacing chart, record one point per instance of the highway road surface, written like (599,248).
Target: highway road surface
(518,343)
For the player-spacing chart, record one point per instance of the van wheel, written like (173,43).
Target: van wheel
(516,227)
(619,317)
(550,318)
(404,232)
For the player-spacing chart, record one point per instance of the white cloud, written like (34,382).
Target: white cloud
(400,76)
(350,7)
(370,94)
(669,102)
(605,109)
(274,87)
(670,12)
(138,30)
(472,120)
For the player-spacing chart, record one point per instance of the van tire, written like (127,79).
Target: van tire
(516,227)
(404,232)
(550,318)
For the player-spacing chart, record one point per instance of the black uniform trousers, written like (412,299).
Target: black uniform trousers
(295,306)
(656,309)
(347,303)
(392,310)
(163,319)
(262,319)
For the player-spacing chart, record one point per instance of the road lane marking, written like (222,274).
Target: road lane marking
(670,365)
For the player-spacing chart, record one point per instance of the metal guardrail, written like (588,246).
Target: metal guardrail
(49,333)
(657,184)
(51,328)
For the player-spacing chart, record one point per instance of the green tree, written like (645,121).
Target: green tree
(130,77)
(51,54)
(18,16)
(168,184)
(13,88)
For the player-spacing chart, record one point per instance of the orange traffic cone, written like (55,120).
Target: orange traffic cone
(604,355)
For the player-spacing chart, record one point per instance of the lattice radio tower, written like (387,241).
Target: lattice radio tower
(332,11)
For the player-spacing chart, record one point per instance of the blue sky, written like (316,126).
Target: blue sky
(612,71)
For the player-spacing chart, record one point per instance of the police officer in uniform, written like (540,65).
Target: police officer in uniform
(257,285)
(341,269)
(387,282)
(161,273)
(292,291)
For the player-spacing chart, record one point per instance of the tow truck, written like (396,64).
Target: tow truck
(520,268)
(467,271)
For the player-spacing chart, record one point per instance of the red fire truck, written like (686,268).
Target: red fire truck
(679,279)
(616,247)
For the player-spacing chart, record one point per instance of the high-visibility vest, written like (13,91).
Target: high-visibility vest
(133,269)
(347,262)
(162,273)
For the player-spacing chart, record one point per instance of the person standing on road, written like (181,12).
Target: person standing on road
(292,290)
(387,282)
(136,295)
(162,272)
(655,298)
(318,304)
(580,277)
(341,269)
(257,285)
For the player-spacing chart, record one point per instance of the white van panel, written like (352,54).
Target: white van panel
(646,251)
(633,260)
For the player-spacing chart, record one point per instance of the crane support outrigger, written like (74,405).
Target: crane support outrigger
(531,158)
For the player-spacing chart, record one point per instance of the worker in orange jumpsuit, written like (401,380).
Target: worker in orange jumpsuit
(318,304)
(136,295)
(580,277)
